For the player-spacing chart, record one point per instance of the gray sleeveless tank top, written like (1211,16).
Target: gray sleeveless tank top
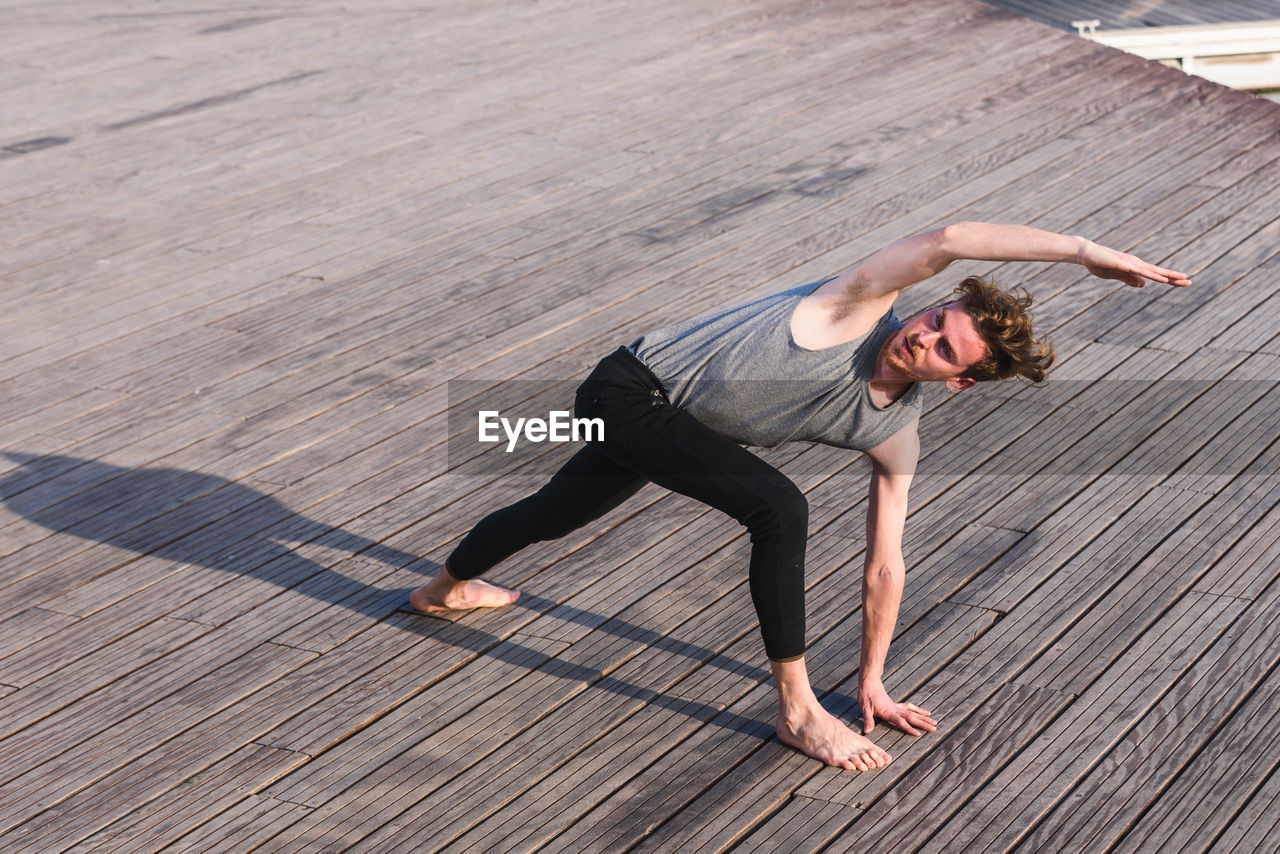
(740,372)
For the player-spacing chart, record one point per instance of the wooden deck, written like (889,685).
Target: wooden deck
(250,247)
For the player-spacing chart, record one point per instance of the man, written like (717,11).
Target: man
(826,362)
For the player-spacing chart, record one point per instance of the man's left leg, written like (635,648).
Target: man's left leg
(584,489)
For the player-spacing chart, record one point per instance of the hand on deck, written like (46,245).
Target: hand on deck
(1133,271)
(876,703)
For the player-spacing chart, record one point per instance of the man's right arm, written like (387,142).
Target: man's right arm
(893,464)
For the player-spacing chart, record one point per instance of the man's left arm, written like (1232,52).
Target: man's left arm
(985,241)
(913,259)
(884,572)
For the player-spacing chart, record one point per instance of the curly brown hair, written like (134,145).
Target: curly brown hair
(1004,323)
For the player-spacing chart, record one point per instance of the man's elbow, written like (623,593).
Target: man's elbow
(884,573)
(944,245)
(950,240)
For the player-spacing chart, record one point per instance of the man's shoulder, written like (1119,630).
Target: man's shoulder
(833,315)
(900,452)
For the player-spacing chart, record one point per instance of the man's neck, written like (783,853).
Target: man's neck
(887,385)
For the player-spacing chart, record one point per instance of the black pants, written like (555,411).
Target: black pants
(647,439)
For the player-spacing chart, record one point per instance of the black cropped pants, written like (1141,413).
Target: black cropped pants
(648,439)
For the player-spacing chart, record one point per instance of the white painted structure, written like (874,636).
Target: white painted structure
(1239,55)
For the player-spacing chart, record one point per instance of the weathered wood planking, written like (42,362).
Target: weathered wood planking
(238,295)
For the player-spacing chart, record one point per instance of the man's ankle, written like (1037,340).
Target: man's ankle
(444,580)
(796,701)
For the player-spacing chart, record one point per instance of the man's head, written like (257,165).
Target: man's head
(984,334)
(1004,323)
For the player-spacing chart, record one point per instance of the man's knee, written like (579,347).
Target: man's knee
(784,510)
(793,507)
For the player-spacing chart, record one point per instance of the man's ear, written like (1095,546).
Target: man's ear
(959,383)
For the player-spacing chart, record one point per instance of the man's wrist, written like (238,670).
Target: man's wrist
(1082,248)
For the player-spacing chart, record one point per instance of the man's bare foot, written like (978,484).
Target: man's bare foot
(446,593)
(816,732)
(811,729)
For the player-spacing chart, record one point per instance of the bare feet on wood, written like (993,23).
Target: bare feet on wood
(446,593)
(817,733)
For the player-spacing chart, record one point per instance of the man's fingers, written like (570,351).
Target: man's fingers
(925,722)
(912,717)
(1172,275)
(908,726)
(1168,277)
(898,718)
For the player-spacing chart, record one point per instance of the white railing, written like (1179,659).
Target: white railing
(1240,55)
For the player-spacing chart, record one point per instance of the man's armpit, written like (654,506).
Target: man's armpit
(854,294)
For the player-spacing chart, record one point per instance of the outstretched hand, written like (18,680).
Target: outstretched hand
(876,703)
(1133,271)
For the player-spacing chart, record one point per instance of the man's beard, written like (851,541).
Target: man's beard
(894,359)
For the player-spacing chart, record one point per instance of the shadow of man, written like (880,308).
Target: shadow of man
(193,519)
(204,520)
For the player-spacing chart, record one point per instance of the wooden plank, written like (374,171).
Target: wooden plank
(1247,249)
(199,745)
(1101,210)
(481,188)
(582,667)
(459,74)
(1254,827)
(1135,775)
(768,785)
(1146,588)
(1220,779)
(243,826)
(382,296)
(28,627)
(960,764)
(202,797)
(1044,772)
(1102,194)
(1065,596)
(1243,431)
(1118,15)
(67,780)
(515,668)
(678,656)
(120,655)
(1052,544)
(801,824)
(1246,570)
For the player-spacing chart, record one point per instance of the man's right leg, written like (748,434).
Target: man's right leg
(678,452)
(585,488)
